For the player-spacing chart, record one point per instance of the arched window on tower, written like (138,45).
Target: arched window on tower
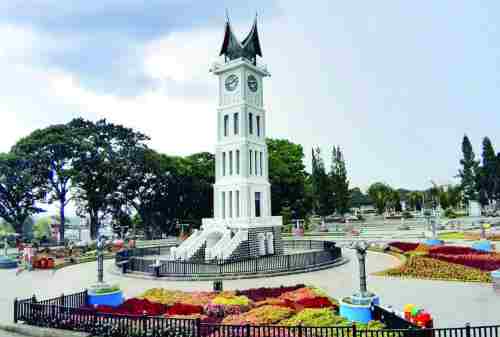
(250,159)
(230,204)
(223,163)
(258,125)
(260,162)
(230,163)
(238,162)
(223,202)
(250,123)
(237,203)
(236,125)
(226,125)
(255,162)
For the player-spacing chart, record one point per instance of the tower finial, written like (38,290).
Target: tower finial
(227,15)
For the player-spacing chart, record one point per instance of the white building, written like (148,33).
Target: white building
(242,225)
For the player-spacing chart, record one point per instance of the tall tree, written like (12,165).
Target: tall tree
(455,195)
(20,189)
(358,198)
(321,186)
(488,179)
(468,172)
(52,151)
(339,181)
(415,199)
(381,194)
(287,176)
(106,156)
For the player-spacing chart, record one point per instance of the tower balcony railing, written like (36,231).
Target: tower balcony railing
(221,62)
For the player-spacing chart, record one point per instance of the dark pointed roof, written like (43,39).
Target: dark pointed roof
(248,48)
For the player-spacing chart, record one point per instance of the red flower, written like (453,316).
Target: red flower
(318,302)
(184,309)
(135,306)
(403,246)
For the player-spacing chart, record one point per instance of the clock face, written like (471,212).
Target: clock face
(231,82)
(253,85)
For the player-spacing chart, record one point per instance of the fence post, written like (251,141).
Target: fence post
(467,329)
(144,325)
(354,329)
(247,334)
(86,296)
(62,300)
(300,330)
(16,308)
(288,262)
(198,327)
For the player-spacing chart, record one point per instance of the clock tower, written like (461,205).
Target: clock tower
(242,226)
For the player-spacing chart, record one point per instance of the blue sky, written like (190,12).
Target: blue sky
(395,83)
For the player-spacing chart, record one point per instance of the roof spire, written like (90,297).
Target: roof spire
(249,48)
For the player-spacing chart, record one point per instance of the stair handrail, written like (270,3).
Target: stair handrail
(234,243)
(215,252)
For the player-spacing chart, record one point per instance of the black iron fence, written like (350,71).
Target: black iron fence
(71,313)
(322,253)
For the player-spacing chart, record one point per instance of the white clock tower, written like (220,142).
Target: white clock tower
(242,226)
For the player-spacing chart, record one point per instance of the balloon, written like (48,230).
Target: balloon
(415,311)
(408,307)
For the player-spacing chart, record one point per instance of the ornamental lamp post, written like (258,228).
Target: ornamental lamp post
(361,247)
(100,259)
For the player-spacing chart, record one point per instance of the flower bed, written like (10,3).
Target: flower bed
(454,250)
(260,294)
(275,305)
(134,306)
(403,246)
(265,315)
(485,261)
(429,268)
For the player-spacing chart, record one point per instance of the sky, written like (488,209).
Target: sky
(396,84)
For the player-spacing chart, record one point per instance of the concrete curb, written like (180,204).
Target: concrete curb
(339,262)
(33,331)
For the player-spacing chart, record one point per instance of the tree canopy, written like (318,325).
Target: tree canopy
(19,191)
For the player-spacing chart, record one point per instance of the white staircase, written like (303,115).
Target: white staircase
(222,250)
(216,252)
(232,245)
(188,248)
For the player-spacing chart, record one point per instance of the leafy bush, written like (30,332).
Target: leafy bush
(106,290)
(449,213)
(407,215)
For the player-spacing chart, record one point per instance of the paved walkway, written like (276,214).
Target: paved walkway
(451,303)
